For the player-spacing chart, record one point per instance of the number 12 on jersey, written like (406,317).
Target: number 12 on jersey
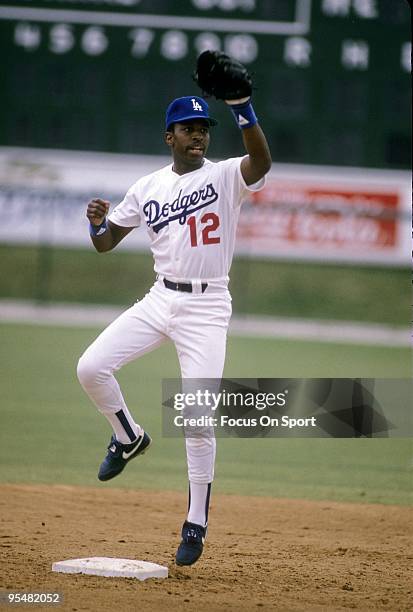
(210,222)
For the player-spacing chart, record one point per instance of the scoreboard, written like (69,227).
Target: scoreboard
(332,77)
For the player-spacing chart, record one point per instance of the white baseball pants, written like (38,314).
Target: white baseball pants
(197,324)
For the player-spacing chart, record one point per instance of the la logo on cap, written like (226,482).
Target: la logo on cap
(196,105)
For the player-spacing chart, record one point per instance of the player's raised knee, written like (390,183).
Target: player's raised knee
(87,371)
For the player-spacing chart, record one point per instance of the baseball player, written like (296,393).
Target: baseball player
(190,209)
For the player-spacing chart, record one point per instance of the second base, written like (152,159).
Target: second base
(111,567)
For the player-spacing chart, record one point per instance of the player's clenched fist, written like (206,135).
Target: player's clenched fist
(97,210)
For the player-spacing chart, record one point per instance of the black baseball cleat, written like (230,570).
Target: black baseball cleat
(192,544)
(119,455)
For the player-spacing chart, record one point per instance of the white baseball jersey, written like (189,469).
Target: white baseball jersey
(191,219)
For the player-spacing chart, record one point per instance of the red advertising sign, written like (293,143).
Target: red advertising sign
(286,214)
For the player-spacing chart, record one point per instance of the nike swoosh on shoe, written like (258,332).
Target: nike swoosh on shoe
(128,455)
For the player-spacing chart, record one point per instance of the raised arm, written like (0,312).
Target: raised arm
(258,161)
(227,79)
(105,235)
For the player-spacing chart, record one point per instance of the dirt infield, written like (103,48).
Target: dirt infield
(261,553)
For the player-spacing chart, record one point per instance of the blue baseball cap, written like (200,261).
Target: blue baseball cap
(188,107)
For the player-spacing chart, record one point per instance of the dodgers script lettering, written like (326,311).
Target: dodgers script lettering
(159,215)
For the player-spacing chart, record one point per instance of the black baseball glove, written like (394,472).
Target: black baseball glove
(221,76)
